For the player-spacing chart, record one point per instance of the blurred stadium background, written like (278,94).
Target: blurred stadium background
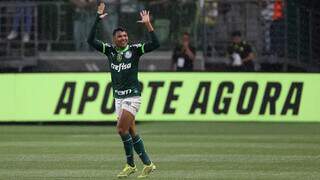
(52,44)
(52,61)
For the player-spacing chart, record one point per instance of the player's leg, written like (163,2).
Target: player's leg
(138,145)
(140,150)
(123,124)
(137,141)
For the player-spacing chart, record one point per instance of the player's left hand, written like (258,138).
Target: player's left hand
(145,17)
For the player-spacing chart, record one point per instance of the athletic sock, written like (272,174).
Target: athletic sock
(128,148)
(139,148)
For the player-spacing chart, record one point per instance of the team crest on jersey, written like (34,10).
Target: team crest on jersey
(128,54)
(119,57)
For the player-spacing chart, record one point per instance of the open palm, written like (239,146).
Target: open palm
(101,9)
(145,17)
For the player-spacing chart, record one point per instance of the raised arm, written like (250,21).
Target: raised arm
(154,43)
(95,43)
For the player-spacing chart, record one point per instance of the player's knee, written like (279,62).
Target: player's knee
(132,133)
(122,131)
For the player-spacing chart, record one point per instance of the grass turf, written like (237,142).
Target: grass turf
(185,150)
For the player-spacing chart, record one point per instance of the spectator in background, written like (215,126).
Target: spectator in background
(184,55)
(277,29)
(210,19)
(267,7)
(240,53)
(22,19)
(83,18)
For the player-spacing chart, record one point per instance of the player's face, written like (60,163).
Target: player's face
(121,39)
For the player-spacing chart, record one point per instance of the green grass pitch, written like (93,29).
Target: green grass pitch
(181,150)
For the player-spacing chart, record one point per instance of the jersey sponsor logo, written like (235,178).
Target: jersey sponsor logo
(124,92)
(120,67)
(128,54)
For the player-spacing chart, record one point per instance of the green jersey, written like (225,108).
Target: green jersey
(123,63)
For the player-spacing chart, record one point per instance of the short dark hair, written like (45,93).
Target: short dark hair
(186,33)
(118,29)
(236,34)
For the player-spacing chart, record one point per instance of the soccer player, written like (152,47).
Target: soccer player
(123,62)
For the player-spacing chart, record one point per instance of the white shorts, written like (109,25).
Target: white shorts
(131,104)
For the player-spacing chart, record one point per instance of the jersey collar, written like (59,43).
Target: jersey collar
(121,50)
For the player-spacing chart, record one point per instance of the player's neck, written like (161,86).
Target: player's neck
(118,48)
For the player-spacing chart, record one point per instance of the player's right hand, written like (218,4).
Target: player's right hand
(101,9)
(145,17)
